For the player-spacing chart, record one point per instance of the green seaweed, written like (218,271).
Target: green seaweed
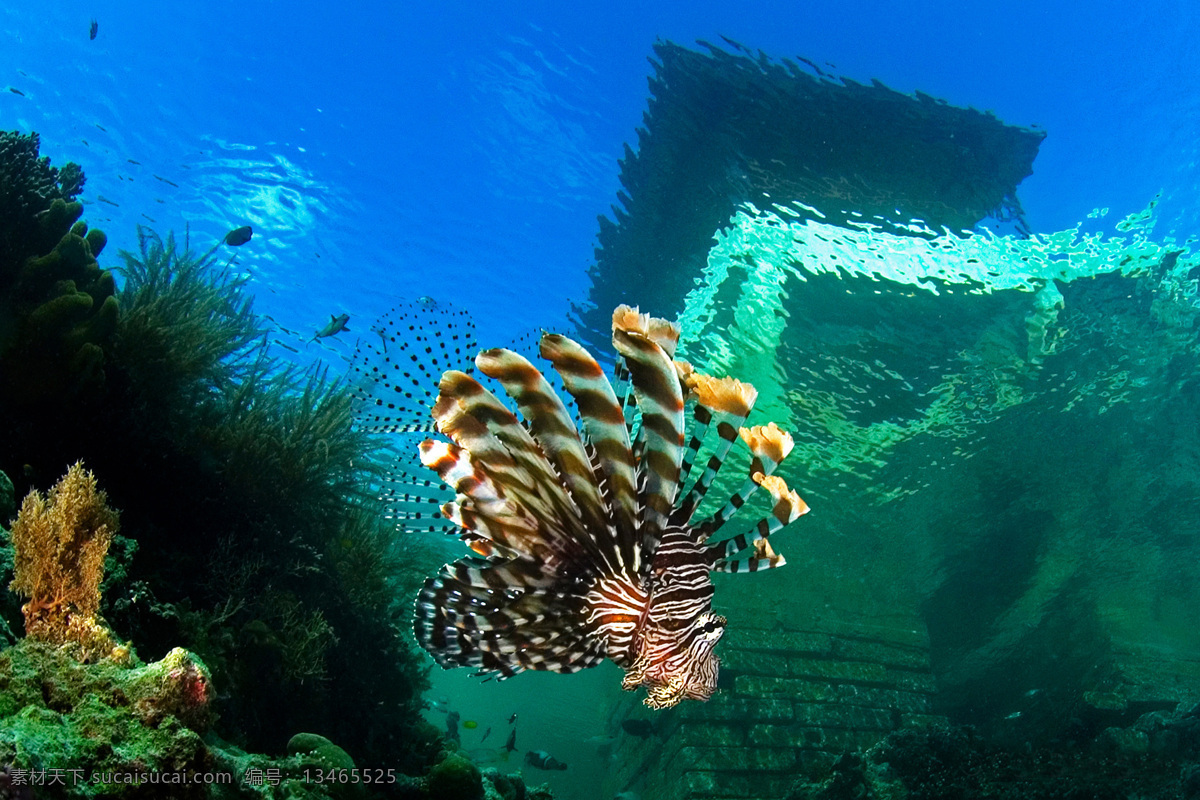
(299,589)
(187,327)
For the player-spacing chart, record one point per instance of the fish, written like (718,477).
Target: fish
(513,719)
(638,727)
(511,744)
(585,545)
(236,237)
(543,760)
(93,29)
(452,726)
(486,734)
(164,180)
(336,325)
(15,90)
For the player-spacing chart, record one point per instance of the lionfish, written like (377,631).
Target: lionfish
(585,543)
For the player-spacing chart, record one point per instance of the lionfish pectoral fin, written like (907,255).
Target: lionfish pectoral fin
(750,564)
(729,402)
(551,426)
(476,419)
(786,509)
(769,446)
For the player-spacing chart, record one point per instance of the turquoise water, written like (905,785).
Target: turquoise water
(983,446)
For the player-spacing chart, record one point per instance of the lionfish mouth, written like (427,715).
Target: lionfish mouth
(584,541)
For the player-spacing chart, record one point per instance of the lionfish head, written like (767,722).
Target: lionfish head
(689,668)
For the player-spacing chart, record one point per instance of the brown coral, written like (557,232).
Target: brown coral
(59,544)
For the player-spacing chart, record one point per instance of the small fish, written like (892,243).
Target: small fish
(470,724)
(131,161)
(511,744)
(336,325)
(164,180)
(513,719)
(452,726)
(15,90)
(101,127)
(638,727)
(93,29)
(486,734)
(236,237)
(442,703)
(543,760)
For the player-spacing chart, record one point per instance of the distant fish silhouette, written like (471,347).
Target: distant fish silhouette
(236,237)
(638,727)
(511,744)
(93,29)
(486,734)
(513,719)
(336,324)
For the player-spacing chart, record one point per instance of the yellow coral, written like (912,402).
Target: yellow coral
(59,545)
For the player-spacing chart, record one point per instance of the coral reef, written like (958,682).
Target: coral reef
(58,311)
(79,721)
(59,544)
(28,186)
(455,777)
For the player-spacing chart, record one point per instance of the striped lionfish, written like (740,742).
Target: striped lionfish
(585,545)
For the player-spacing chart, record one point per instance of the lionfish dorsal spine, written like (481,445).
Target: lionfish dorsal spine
(607,439)
(660,402)
(701,418)
(551,427)
(475,419)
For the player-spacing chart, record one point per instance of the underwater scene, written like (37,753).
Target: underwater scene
(657,401)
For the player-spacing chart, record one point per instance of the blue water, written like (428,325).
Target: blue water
(386,150)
